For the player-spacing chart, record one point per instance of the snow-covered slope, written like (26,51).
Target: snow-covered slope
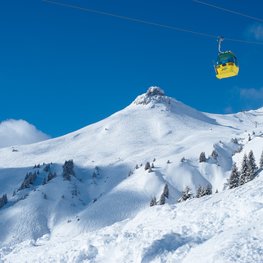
(224,227)
(104,208)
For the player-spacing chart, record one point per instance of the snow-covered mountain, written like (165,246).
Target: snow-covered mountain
(102,213)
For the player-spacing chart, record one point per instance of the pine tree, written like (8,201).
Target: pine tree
(44,181)
(214,154)
(252,167)
(202,157)
(261,161)
(208,190)
(234,177)
(29,180)
(166,191)
(199,191)
(186,194)
(183,160)
(3,200)
(51,176)
(162,199)
(244,174)
(234,140)
(147,166)
(68,170)
(203,190)
(153,201)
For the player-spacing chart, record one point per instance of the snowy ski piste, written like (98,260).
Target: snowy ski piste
(86,196)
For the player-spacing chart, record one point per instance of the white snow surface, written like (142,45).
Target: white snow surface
(102,214)
(17,132)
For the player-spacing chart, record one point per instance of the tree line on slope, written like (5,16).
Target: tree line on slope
(247,172)
(30,178)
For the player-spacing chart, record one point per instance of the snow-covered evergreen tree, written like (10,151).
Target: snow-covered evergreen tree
(3,200)
(166,191)
(261,161)
(214,154)
(44,181)
(186,194)
(234,177)
(208,190)
(252,167)
(51,176)
(29,180)
(153,201)
(244,174)
(162,199)
(68,170)
(202,157)
(202,191)
(147,166)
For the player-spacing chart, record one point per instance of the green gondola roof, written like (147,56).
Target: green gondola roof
(225,55)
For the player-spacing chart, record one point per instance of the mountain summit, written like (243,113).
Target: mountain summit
(153,95)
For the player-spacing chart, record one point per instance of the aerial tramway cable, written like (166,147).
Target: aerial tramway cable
(229,11)
(142,21)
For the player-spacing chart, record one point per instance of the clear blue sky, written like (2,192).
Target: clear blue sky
(62,69)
